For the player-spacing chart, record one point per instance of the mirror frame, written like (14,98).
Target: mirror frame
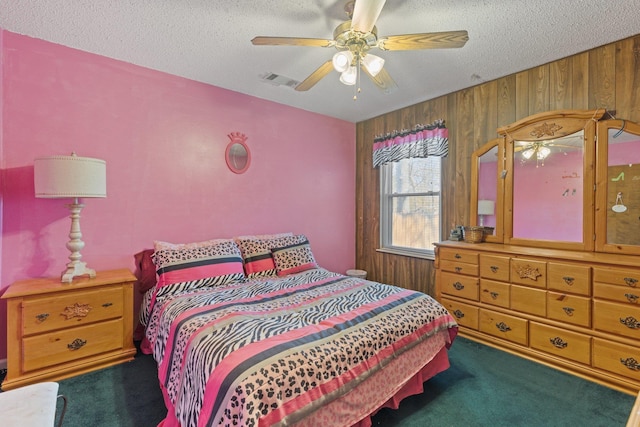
(475,185)
(539,127)
(602,180)
(237,139)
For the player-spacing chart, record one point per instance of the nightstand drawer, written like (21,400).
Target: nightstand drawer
(53,348)
(563,343)
(57,311)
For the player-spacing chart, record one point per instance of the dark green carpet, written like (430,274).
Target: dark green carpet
(483,387)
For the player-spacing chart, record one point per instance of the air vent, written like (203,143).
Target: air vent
(278,80)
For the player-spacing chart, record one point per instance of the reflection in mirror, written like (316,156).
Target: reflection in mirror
(487,189)
(548,188)
(623,188)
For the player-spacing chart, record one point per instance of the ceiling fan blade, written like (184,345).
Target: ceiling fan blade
(383,80)
(315,77)
(365,14)
(443,40)
(291,41)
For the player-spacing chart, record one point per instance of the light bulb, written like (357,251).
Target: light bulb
(373,64)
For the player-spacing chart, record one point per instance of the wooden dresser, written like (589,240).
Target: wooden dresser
(57,330)
(576,311)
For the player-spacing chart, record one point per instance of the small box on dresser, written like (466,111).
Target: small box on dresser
(58,330)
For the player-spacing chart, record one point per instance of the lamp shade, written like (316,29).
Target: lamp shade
(486,207)
(69,176)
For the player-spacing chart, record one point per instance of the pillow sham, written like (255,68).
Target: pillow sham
(218,260)
(293,258)
(256,254)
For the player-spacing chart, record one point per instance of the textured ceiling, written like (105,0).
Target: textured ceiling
(210,41)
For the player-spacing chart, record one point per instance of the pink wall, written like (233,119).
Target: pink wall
(163,138)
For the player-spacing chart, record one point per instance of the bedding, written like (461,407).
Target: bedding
(309,348)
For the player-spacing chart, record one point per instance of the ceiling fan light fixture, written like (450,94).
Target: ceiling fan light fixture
(543,152)
(342,61)
(349,76)
(373,64)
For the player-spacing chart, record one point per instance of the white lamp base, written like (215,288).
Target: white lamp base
(75,267)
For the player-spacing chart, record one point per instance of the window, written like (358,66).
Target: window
(410,206)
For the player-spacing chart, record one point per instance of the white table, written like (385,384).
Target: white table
(30,406)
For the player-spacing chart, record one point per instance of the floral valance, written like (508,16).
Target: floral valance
(422,141)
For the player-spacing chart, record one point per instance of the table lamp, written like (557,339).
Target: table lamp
(485,207)
(74,177)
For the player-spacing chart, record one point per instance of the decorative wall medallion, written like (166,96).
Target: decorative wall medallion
(76,310)
(528,272)
(545,129)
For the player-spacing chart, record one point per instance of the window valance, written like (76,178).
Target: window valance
(422,141)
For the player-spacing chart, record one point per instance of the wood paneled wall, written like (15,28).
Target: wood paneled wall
(605,77)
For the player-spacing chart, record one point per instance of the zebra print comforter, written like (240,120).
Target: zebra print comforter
(271,351)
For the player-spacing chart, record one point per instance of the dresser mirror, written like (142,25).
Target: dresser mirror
(487,164)
(548,188)
(618,191)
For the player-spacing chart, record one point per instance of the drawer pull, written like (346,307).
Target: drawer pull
(459,286)
(568,280)
(76,310)
(630,281)
(558,342)
(631,297)
(76,344)
(494,295)
(107,304)
(459,314)
(630,322)
(457,256)
(458,269)
(494,268)
(568,311)
(631,363)
(503,327)
(42,317)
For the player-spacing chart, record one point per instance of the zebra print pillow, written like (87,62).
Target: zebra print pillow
(212,262)
(256,253)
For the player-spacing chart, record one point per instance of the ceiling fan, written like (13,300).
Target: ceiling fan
(355,38)
(540,150)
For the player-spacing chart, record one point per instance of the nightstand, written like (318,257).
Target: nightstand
(58,330)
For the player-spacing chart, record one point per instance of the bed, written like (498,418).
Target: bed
(251,331)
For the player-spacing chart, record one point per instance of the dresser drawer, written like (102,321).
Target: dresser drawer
(529,272)
(621,277)
(460,286)
(621,319)
(467,257)
(569,308)
(529,300)
(465,314)
(559,342)
(459,267)
(617,358)
(57,347)
(57,311)
(494,267)
(575,279)
(504,326)
(616,293)
(495,293)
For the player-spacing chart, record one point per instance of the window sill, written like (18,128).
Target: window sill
(407,252)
